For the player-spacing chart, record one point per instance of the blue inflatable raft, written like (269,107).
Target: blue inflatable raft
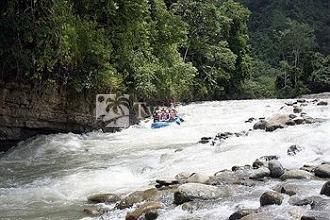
(163,124)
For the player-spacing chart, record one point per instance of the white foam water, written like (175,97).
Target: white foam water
(50,177)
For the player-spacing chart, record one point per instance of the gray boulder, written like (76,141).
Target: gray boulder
(296,174)
(104,198)
(323,171)
(276,169)
(192,191)
(322,103)
(271,198)
(326,189)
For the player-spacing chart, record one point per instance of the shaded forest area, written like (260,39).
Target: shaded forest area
(160,50)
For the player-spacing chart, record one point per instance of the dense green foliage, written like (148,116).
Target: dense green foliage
(293,37)
(169,49)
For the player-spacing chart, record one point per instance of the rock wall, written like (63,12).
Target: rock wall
(27,110)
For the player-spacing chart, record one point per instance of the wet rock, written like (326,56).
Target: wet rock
(237,168)
(276,169)
(263,161)
(296,174)
(140,196)
(323,171)
(164,183)
(321,205)
(294,149)
(326,189)
(256,217)
(295,201)
(191,191)
(301,101)
(322,103)
(260,125)
(205,140)
(290,123)
(273,127)
(223,135)
(93,211)
(299,120)
(316,216)
(258,163)
(104,198)
(271,198)
(225,177)
(146,210)
(309,120)
(241,213)
(198,178)
(250,120)
(182,177)
(297,109)
(290,103)
(292,116)
(260,173)
(308,168)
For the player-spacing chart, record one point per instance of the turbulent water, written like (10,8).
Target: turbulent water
(50,177)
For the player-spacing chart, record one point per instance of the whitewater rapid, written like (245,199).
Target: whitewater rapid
(50,177)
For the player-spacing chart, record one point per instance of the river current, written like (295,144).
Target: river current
(50,176)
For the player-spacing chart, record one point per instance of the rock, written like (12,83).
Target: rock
(198,178)
(236,168)
(297,109)
(276,169)
(322,103)
(104,198)
(205,140)
(250,120)
(147,208)
(313,215)
(323,171)
(258,163)
(273,127)
(259,216)
(308,168)
(290,123)
(140,196)
(309,120)
(259,173)
(299,120)
(321,205)
(326,189)
(263,161)
(292,116)
(191,191)
(301,100)
(260,125)
(182,177)
(164,183)
(293,150)
(241,213)
(303,202)
(225,177)
(296,174)
(93,211)
(271,198)
(290,103)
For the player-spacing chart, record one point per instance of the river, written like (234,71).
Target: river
(50,176)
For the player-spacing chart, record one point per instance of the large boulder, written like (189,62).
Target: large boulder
(326,189)
(260,125)
(276,169)
(191,191)
(296,174)
(104,198)
(260,173)
(271,198)
(276,122)
(149,195)
(323,171)
(147,210)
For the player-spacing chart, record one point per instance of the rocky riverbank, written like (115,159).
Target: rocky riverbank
(295,193)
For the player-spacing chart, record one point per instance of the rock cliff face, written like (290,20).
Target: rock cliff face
(27,110)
